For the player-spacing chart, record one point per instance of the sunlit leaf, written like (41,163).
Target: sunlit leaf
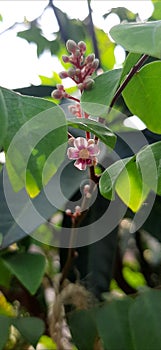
(142,95)
(139,37)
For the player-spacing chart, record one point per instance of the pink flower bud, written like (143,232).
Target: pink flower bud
(86,189)
(58,94)
(63,75)
(65,59)
(95,64)
(68,212)
(71,72)
(90,58)
(88,83)
(71,141)
(80,86)
(82,46)
(77,53)
(77,72)
(71,46)
(60,87)
(78,209)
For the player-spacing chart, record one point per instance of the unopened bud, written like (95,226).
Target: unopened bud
(71,46)
(60,87)
(77,71)
(90,58)
(80,86)
(95,64)
(63,75)
(65,59)
(57,94)
(71,141)
(86,188)
(71,72)
(88,83)
(78,209)
(82,46)
(68,212)
(77,53)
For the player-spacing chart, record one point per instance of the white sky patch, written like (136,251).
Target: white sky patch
(135,123)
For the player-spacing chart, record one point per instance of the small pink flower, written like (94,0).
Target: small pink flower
(84,152)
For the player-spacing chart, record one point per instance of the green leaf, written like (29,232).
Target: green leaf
(31,328)
(125,177)
(130,186)
(109,177)
(28,268)
(41,131)
(145,320)
(139,37)
(96,128)
(3,118)
(148,159)
(113,325)
(82,322)
(52,81)
(5,274)
(157,9)
(1,18)
(5,323)
(142,96)
(106,49)
(96,101)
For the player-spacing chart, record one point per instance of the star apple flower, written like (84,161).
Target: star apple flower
(84,152)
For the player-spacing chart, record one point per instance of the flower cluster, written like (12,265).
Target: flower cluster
(81,70)
(82,150)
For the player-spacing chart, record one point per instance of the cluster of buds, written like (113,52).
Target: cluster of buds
(82,69)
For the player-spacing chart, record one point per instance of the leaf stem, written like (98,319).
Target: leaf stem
(133,71)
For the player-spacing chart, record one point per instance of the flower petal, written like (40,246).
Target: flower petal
(80,164)
(80,143)
(72,153)
(93,150)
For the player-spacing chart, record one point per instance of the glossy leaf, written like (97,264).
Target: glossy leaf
(34,142)
(142,96)
(96,128)
(109,177)
(157,10)
(96,101)
(5,274)
(139,37)
(130,186)
(3,118)
(31,328)
(5,323)
(106,49)
(82,322)
(113,325)
(145,319)
(28,268)
(148,159)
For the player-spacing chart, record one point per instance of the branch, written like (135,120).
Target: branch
(133,71)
